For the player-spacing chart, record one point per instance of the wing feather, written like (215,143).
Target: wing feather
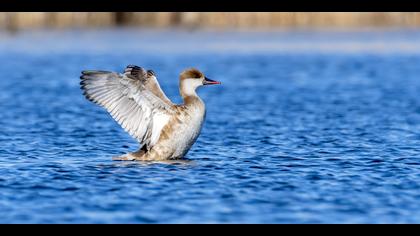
(138,110)
(149,81)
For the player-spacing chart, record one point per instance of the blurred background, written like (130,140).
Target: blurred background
(378,32)
(220,20)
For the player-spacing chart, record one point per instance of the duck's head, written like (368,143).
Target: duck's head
(191,79)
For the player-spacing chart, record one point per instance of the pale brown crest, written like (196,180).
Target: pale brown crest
(191,73)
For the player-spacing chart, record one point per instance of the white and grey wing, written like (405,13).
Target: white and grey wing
(149,80)
(141,113)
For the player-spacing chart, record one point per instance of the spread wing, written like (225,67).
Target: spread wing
(138,110)
(149,80)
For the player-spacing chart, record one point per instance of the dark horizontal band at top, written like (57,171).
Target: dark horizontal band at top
(206,5)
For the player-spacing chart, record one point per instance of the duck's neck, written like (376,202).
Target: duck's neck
(188,94)
(191,99)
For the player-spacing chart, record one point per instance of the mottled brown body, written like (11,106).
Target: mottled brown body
(179,134)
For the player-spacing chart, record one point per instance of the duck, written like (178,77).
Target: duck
(135,100)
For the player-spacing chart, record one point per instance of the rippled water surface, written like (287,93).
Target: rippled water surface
(305,128)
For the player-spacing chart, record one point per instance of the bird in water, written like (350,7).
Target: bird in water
(165,131)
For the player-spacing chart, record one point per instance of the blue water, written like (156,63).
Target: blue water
(307,127)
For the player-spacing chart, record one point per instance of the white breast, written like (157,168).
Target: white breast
(190,131)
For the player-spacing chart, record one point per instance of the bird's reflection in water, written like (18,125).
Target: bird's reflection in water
(180,162)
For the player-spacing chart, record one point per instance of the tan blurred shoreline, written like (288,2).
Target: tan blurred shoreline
(248,20)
